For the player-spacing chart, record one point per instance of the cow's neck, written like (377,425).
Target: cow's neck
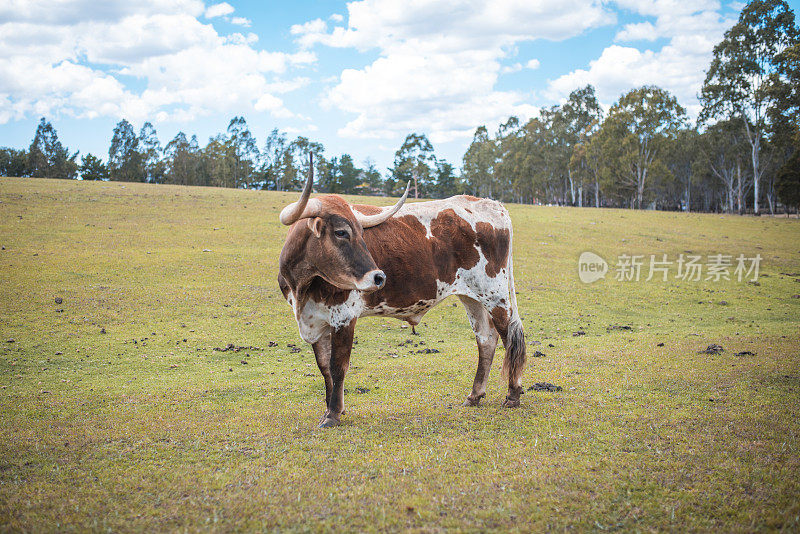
(307,285)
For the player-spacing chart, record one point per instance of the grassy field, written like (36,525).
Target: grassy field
(119,414)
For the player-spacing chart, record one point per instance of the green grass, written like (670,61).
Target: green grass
(147,428)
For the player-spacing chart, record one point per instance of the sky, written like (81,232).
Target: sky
(356,76)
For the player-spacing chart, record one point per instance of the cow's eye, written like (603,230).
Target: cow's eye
(341,233)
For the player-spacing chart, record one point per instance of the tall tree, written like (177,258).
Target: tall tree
(296,159)
(478,163)
(635,133)
(681,158)
(125,162)
(507,146)
(785,91)
(151,153)
(722,153)
(47,157)
(415,161)
(218,162)
(580,116)
(371,179)
(244,152)
(273,161)
(183,160)
(788,183)
(739,82)
(446,180)
(349,174)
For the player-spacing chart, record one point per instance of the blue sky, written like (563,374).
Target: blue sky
(355,76)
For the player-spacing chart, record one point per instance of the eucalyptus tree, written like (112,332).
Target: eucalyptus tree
(682,159)
(349,174)
(740,82)
(243,152)
(634,136)
(273,160)
(371,179)
(788,183)
(581,116)
(507,145)
(47,157)
(296,160)
(478,163)
(184,161)
(415,160)
(722,148)
(785,91)
(125,161)
(218,162)
(447,183)
(151,153)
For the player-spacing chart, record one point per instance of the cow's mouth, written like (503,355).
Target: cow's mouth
(372,281)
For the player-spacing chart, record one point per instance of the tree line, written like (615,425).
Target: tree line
(740,154)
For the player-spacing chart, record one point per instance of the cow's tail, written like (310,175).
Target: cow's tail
(514,362)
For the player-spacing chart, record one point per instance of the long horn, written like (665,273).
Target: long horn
(302,208)
(373,220)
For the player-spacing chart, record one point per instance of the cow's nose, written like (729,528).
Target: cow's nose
(380,279)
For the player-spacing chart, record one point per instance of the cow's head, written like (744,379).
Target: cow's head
(327,237)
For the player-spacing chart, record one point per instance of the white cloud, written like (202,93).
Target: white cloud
(219,10)
(305,130)
(336,17)
(508,69)
(439,60)
(52,62)
(635,32)
(241,21)
(532,64)
(692,28)
(70,12)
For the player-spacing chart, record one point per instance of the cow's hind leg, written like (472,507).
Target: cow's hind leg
(486,337)
(510,328)
(322,352)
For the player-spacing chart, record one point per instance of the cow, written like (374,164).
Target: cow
(343,261)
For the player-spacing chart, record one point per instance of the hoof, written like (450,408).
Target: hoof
(473,401)
(328,422)
(511,403)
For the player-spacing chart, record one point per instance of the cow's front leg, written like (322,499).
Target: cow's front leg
(322,352)
(341,346)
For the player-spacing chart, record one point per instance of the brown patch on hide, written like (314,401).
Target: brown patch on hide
(413,263)
(494,244)
(500,320)
(454,245)
(401,250)
(336,205)
(328,294)
(367,210)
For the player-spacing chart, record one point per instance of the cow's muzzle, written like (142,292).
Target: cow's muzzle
(372,281)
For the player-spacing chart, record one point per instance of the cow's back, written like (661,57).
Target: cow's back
(428,248)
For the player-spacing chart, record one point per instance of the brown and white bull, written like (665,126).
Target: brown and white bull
(342,261)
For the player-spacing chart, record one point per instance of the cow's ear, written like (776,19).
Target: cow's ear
(315,225)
